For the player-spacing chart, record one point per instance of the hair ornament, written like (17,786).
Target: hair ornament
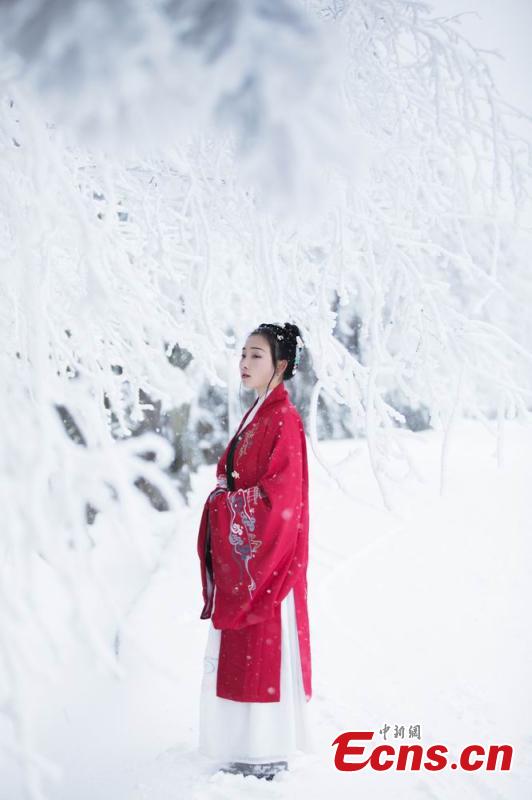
(299,349)
(297,340)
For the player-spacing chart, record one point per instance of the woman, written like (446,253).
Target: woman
(253,550)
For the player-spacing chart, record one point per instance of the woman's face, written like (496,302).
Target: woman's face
(256,364)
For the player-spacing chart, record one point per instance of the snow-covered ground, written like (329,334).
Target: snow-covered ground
(417,618)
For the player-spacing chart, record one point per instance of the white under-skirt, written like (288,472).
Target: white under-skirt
(230,730)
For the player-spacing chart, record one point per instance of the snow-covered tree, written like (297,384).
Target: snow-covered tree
(173,173)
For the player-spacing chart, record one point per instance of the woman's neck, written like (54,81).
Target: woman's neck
(262,394)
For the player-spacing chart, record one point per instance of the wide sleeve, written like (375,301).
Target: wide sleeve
(221,486)
(258,534)
(204,542)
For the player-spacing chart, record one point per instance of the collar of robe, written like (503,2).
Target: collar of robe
(278,394)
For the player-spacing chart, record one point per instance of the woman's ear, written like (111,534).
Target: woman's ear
(282,365)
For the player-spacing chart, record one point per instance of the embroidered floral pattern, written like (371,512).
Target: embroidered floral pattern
(242,529)
(246,441)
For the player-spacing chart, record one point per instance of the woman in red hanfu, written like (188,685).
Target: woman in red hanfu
(253,550)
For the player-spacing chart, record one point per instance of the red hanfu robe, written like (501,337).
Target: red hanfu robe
(253,547)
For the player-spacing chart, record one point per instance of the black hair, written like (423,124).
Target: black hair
(285,342)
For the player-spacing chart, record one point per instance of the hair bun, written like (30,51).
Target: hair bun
(297,343)
(285,341)
(293,329)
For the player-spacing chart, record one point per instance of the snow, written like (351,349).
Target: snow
(419,616)
(409,279)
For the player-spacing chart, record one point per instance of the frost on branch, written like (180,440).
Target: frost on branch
(139,76)
(430,255)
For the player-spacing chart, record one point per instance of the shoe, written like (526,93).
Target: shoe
(268,770)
